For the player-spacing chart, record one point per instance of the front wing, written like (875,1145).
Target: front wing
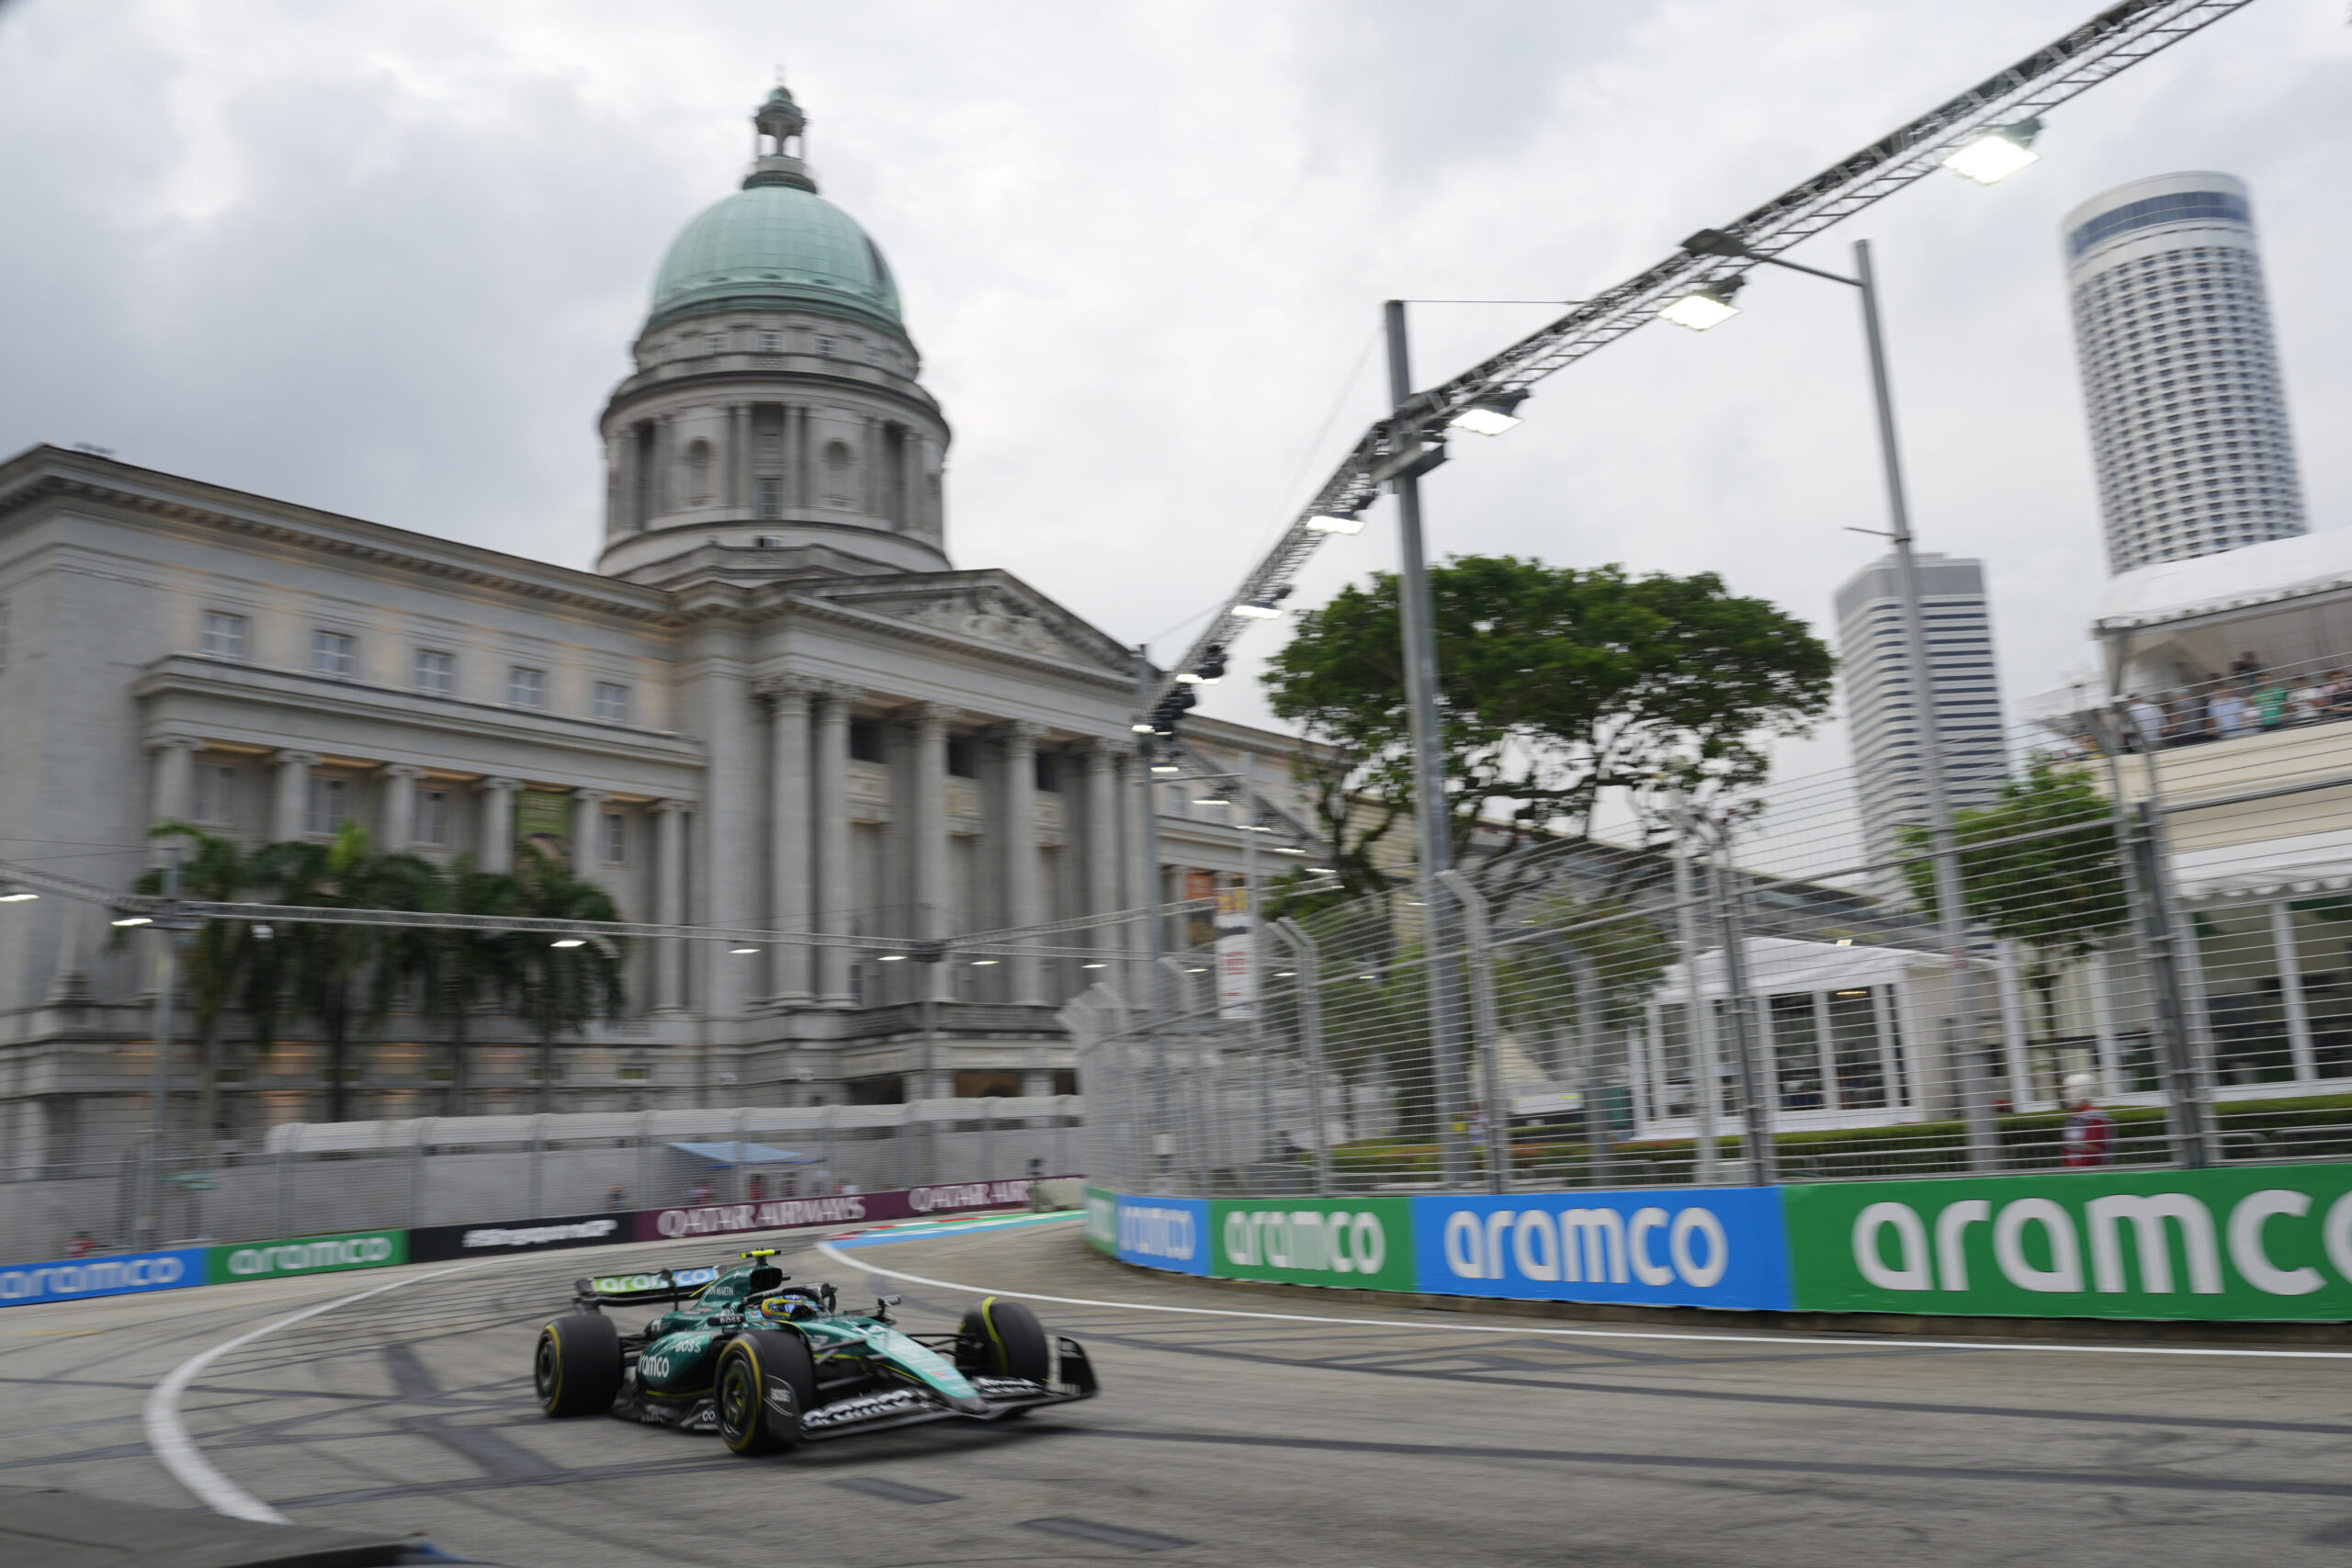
(1071,1378)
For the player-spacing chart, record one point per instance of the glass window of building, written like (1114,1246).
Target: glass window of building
(216,794)
(334,655)
(224,635)
(323,804)
(432,826)
(437,672)
(612,702)
(767,499)
(526,687)
(616,844)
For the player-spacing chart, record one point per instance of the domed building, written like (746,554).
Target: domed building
(776,712)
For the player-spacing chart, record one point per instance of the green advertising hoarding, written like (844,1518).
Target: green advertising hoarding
(306,1255)
(2246,1243)
(1103,1220)
(1362,1242)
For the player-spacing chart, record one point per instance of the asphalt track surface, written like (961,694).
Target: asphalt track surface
(1455,1439)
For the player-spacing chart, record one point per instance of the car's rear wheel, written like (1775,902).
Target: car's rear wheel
(757,1375)
(577,1367)
(1003,1339)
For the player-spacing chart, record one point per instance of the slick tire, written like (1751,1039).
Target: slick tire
(1004,1339)
(753,1372)
(578,1365)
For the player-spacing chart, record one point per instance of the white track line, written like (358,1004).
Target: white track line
(1872,1344)
(167,1435)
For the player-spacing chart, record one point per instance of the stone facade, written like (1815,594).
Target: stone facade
(777,706)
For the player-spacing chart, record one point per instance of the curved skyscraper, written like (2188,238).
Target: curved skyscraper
(2180,374)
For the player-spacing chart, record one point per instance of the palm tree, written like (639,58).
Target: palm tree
(464,971)
(221,962)
(345,977)
(566,987)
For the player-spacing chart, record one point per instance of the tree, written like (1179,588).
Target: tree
(2042,867)
(337,975)
(564,988)
(1556,684)
(222,964)
(463,971)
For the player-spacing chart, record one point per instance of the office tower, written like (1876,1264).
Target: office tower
(2180,375)
(1880,712)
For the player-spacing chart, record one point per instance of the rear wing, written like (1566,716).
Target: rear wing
(672,1285)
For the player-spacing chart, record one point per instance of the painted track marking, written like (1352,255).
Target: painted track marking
(167,1434)
(1878,1345)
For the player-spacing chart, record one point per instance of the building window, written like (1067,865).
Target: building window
(864,740)
(836,473)
(960,761)
(612,702)
(526,687)
(711,343)
(4,634)
(216,794)
(824,345)
(324,807)
(437,672)
(873,355)
(767,499)
(224,635)
(432,825)
(771,341)
(1048,772)
(334,655)
(616,844)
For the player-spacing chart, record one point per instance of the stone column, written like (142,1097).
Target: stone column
(399,807)
(1024,898)
(587,818)
(175,777)
(927,834)
(293,793)
(1102,838)
(1144,880)
(498,823)
(836,902)
(738,457)
(670,902)
(789,889)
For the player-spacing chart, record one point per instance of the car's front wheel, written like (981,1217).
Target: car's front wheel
(1003,1339)
(761,1385)
(577,1367)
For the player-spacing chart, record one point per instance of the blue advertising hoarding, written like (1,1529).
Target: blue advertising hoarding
(72,1280)
(1710,1246)
(1165,1233)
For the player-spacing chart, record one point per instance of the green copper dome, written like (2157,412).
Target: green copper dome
(775,245)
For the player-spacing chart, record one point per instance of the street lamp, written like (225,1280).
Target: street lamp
(1998,153)
(1490,415)
(1708,305)
(1950,906)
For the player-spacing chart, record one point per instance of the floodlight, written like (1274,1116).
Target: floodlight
(892,958)
(1998,153)
(1166,768)
(1094,966)
(1143,729)
(1258,610)
(742,950)
(1335,523)
(10,893)
(134,921)
(982,962)
(1709,305)
(569,941)
(1490,415)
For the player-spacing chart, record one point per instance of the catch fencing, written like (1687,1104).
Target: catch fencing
(1749,986)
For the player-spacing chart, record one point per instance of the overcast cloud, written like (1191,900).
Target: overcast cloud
(387,259)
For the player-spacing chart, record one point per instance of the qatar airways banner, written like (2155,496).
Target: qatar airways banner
(833,1209)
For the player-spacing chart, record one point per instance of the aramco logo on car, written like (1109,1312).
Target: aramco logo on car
(1165,1233)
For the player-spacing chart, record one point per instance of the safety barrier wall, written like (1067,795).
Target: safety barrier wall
(2271,1243)
(173,1268)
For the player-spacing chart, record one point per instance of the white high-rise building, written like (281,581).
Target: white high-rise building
(1880,714)
(2180,375)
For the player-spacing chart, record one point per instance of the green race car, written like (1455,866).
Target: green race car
(766,1363)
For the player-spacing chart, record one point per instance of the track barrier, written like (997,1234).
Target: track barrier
(173,1268)
(2243,1244)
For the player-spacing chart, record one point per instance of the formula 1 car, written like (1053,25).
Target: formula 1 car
(766,1364)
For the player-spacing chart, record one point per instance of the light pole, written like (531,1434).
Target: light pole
(1711,304)
(1432,823)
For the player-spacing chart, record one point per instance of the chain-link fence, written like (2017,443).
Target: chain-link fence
(1731,988)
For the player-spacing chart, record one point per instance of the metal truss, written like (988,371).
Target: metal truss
(2112,41)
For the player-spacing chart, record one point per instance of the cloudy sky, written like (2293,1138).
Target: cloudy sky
(387,259)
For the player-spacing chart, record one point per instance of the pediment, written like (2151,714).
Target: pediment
(989,608)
